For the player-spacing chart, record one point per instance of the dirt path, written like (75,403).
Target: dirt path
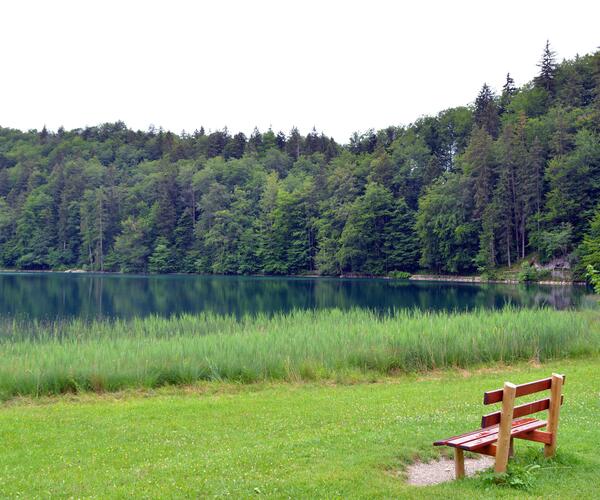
(422,474)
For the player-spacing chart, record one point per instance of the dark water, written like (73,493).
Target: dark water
(61,295)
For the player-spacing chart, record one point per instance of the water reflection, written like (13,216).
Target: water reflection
(61,295)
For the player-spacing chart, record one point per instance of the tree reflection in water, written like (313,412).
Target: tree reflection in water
(61,295)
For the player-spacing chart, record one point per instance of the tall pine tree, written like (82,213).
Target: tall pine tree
(508,92)
(485,114)
(547,74)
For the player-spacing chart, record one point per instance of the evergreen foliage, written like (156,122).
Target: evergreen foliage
(547,65)
(472,188)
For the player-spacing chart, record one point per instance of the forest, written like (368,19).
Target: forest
(515,175)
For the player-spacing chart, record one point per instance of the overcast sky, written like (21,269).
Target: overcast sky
(339,66)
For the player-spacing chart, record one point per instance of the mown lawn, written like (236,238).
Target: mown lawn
(281,439)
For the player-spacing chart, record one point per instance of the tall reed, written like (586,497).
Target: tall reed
(48,358)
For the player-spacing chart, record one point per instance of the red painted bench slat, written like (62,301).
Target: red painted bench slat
(519,411)
(537,436)
(488,431)
(491,397)
(515,431)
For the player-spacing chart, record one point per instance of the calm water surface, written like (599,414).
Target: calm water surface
(62,295)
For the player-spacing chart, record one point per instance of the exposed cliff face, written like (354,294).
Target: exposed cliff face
(559,268)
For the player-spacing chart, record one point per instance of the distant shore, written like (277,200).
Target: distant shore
(479,279)
(449,278)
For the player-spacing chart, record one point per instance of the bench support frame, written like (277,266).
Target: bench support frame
(459,463)
(500,428)
(553,414)
(504,434)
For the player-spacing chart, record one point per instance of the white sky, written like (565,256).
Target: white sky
(338,65)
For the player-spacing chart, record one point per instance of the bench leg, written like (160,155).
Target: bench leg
(553,413)
(504,429)
(459,463)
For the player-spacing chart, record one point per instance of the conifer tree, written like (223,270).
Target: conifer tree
(44,135)
(235,146)
(365,241)
(184,239)
(269,139)
(524,188)
(503,211)
(312,142)
(596,91)
(280,140)
(490,225)
(485,113)
(162,259)
(535,183)
(294,144)
(508,91)
(255,143)
(166,205)
(547,65)
(479,156)
(401,247)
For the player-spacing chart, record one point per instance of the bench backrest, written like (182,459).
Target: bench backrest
(504,418)
(498,395)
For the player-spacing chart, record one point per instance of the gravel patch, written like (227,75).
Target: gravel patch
(439,471)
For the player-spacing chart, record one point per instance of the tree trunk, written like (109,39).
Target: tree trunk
(101,226)
(523,236)
(508,245)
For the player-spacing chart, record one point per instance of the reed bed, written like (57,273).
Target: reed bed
(58,357)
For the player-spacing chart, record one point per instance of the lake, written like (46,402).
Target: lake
(49,296)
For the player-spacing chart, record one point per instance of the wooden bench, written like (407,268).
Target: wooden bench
(498,429)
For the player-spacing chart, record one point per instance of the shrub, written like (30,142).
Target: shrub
(555,243)
(527,273)
(520,477)
(530,273)
(594,277)
(399,275)
(490,274)
(544,274)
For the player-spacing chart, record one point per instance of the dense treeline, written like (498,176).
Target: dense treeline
(473,188)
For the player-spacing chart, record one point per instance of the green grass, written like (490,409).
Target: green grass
(284,440)
(40,359)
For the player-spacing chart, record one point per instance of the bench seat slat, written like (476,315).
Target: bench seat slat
(515,431)
(470,436)
(479,432)
(490,432)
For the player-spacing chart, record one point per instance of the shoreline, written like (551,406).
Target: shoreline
(444,278)
(479,279)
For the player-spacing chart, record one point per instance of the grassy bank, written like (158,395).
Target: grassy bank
(301,440)
(40,359)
